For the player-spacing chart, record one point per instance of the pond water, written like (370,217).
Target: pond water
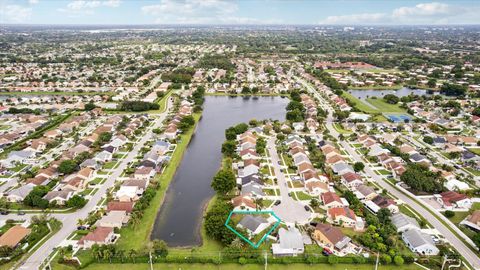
(179,220)
(363,94)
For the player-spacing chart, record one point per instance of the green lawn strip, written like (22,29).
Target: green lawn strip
(340,129)
(135,238)
(473,171)
(359,104)
(163,102)
(110,165)
(385,107)
(59,93)
(476,151)
(303,196)
(197,266)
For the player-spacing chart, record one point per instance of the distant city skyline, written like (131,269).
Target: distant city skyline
(231,12)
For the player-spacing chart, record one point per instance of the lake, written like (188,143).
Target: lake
(179,220)
(405,91)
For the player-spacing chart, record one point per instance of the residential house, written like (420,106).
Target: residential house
(290,243)
(342,216)
(452,199)
(13,236)
(254,224)
(403,222)
(113,219)
(330,237)
(331,200)
(100,236)
(59,197)
(420,242)
(472,221)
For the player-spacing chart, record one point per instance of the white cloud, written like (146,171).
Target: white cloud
(197,12)
(79,7)
(33,2)
(14,14)
(368,18)
(423,13)
(425,9)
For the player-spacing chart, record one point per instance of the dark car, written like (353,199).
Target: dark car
(327,252)
(21,213)
(277,202)
(307,208)
(4,212)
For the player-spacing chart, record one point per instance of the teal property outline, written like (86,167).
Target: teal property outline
(252,212)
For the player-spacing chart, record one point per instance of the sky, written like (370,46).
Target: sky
(226,12)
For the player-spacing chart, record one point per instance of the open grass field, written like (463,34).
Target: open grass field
(247,267)
(137,237)
(384,107)
(359,104)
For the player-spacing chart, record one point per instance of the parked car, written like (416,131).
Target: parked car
(307,208)
(277,202)
(327,252)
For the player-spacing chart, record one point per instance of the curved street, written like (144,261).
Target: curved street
(289,210)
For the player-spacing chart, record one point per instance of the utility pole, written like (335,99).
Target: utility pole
(266,258)
(376,263)
(151,264)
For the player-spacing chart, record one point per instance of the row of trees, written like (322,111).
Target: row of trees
(295,109)
(138,106)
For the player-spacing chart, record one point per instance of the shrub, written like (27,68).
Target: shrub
(398,260)
(242,260)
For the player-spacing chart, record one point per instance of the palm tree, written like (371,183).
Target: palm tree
(107,254)
(132,254)
(121,254)
(258,203)
(96,252)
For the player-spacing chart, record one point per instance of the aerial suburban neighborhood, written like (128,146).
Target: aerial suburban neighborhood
(218,144)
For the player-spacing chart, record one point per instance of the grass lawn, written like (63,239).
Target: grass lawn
(163,102)
(476,151)
(458,217)
(303,196)
(4,127)
(473,171)
(110,165)
(384,172)
(197,266)
(340,129)
(271,192)
(96,181)
(384,106)
(135,238)
(359,104)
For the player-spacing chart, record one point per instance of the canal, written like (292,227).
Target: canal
(179,220)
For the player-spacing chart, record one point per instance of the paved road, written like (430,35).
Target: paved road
(458,244)
(70,220)
(440,158)
(289,210)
